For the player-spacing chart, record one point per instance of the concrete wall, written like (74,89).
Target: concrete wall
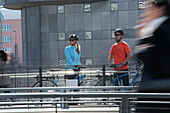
(46,29)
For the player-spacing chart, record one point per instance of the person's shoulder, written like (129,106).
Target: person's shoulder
(114,44)
(166,23)
(67,47)
(164,27)
(125,43)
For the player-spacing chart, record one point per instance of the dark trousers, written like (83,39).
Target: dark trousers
(125,79)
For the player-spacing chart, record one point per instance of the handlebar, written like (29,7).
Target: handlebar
(114,65)
(79,66)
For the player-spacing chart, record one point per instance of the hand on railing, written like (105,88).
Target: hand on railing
(80,66)
(116,66)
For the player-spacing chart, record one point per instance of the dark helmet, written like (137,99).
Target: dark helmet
(120,31)
(74,36)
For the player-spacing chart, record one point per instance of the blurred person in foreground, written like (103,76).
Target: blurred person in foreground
(5,81)
(121,53)
(153,50)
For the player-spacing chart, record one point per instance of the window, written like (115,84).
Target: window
(88,35)
(8,49)
(87,8)
(6,39)
(6,27)
(62,62)
(61,9)
(142,4)
(89,61)
(61,36)
(114,6)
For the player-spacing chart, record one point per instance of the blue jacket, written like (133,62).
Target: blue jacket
(72,57)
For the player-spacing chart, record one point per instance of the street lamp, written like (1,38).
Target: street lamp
(1,33)
(1,46)
(16,48)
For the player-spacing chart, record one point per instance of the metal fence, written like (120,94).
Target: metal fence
(28,76)
(45,86)
(126,103)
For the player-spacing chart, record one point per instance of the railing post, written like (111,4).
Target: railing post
(124,106)
(40,74)
(63,99)
(104,76)
(56,108)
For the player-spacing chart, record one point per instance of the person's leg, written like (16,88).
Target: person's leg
(125,79)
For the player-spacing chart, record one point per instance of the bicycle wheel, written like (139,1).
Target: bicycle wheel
(108,83)
(45,83)
(137,83)
(100,82)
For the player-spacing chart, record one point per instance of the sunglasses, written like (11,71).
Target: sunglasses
(71,40)
(117,34)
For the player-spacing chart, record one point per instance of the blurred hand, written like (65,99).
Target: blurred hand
(118,66)
(77,65)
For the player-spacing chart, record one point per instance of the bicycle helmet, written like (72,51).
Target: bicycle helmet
(120,31)
(74,36)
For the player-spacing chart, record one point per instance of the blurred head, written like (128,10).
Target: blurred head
(119,35)
(4,55)
(156,9)
(163,3)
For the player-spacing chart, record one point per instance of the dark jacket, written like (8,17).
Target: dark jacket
(156,59)
(4,79)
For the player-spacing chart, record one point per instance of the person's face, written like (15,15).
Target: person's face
(118,37)
(72,41)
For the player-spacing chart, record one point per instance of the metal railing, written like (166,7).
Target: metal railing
(28,76)
(125,101)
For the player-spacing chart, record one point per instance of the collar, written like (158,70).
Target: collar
(151,27)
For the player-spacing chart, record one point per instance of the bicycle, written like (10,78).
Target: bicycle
(111,81)
(49,81)
(54,81)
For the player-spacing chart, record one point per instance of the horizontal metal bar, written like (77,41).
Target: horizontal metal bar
(57,102)
(67,88)
(94,95)
(152,102)
(82,72)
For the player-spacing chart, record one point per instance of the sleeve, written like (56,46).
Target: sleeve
(127,48)
(68,58)
(79,54)
(111,50)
